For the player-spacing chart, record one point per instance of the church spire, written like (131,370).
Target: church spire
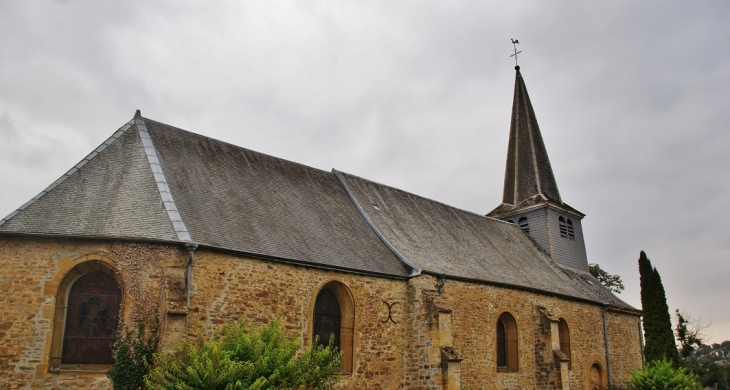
(531,199)
(528,172)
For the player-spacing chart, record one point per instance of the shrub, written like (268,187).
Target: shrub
(662,375)
(236,358)
(133,353)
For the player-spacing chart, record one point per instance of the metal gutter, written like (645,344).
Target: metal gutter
(605,339)
(415,270)
(191,246)
(523,288)
(300,262)
(210,247)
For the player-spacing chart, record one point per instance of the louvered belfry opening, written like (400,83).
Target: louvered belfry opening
(524,225)
(91,320)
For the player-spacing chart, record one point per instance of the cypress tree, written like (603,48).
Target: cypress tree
(657,321)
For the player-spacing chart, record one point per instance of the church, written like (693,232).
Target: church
(162,222)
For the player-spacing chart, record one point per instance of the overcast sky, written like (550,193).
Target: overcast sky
(631,98)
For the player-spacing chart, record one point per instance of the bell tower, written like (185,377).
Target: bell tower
(531,198)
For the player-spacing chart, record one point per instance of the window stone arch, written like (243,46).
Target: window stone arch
(507,353)
(564,334)
(596,379)
(89,301)
(334,314)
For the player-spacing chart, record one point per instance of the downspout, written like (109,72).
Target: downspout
(605,339)
(641,342)
(189,274)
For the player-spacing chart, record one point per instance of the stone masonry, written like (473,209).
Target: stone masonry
(422,333)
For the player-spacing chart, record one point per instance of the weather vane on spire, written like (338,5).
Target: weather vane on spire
(514,43)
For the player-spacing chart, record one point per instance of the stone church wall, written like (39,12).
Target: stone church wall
(423,333)
(33,268)
(475,309)
(228,288)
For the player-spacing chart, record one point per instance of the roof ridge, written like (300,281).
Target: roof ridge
(421,197)
(240,147)
(415,270)
(71,171)
(163,189)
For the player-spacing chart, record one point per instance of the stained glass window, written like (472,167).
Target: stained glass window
(91,320)
(327,318)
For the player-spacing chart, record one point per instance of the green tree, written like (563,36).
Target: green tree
(611,282)
(133,353)
(237,358)
(657,321)
(661,374)
(689,334)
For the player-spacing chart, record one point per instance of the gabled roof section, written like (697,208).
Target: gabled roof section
(443,240)
(528,171)
(111,193)
(236,199)
(151,181)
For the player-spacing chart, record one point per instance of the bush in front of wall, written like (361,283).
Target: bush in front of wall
(133,354)
(238,358)
(661,374)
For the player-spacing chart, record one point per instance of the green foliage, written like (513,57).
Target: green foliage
(662,375)
(657,321)
(611,282)
(133,354)
(708,362)
(688,335)
(236,358)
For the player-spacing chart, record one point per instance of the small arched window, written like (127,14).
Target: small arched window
(571,232)
(563,227)
(564,334)
(523,224)
(595,377)
(88,305)
(334,317)
(91,320)
(327,319)
(506,343)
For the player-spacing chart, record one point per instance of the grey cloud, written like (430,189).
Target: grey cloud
(630,98)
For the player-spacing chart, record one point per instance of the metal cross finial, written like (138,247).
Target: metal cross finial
(515,42)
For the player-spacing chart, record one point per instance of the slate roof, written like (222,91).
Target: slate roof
(111,193)
(152,181)
(444,240)
(528,171)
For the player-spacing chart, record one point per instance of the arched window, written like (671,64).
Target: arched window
(91,320)
(571,232)
(327,319)
(563,227)
(595,377)
(523,224)
(564,334)
(88,304)
(334,316)
(506,343)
